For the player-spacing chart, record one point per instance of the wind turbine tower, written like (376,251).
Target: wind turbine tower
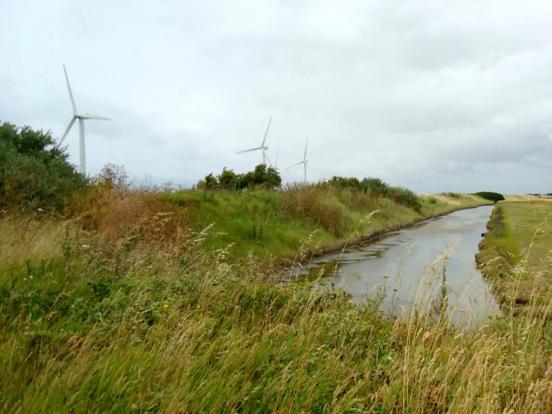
(81,118)
(304,162)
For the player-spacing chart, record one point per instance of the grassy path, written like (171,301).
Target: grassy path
(516,254)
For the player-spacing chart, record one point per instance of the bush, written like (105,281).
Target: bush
(228,180)
(405,197)
(375,186)
(262,176)
(351,182)
(491,196)
(34,172)
(378,188)
(308,202)
(210,182)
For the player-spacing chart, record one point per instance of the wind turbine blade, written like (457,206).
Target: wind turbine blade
(101,118)
(70,91)
(249,150)
(266,132)
(268,159)
(306,144)
(67,131)
(295,165)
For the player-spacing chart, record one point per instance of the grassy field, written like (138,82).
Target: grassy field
(138,305)
(516,254)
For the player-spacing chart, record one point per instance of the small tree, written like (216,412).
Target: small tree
(228,180)
(262,176)
(210,182)
(267,176)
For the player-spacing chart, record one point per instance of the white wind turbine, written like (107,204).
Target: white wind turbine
(304,162)
(263,148)
(81,118)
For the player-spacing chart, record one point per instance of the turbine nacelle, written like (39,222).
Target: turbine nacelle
(253,149)
(263,148)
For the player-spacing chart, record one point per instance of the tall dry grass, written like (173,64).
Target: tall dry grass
(323,206)
(124,321)
(215,338)
(30,238)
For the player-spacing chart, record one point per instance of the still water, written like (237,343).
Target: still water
(410,268)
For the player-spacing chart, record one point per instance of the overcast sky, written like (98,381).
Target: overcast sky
(432,95)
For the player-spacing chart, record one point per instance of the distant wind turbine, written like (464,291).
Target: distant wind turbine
(81,118)
(263,148)
(304,162)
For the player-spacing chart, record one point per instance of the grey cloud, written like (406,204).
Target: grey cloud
(434,95)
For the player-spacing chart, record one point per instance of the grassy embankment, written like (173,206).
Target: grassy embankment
(276,224)
(516,254)
(129,309)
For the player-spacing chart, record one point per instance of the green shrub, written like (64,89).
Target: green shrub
(34,172)
(405,197)
(489,195)
(210,182)
(262,176)
(228,180)
(375,186)
(352,182)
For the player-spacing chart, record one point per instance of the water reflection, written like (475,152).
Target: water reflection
(416,267)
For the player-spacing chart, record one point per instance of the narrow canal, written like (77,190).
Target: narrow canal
(410,268)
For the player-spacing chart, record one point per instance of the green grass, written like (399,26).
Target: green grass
(137,325)
(276,224)
(516,254)
(249,222)
(140,306)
